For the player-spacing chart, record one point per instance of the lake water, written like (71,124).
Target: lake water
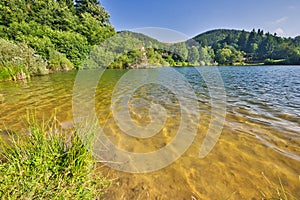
(259,143)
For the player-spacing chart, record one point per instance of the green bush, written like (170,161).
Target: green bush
(42,45)
(73,45)
(59,62)
(19,61)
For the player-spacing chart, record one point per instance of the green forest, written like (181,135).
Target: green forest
(255,47)
(39,37)
(218,47)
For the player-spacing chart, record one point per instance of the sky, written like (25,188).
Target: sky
(192,17)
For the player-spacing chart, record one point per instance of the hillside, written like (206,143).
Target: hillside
(61,33)
(221,46)
(240,46)
(127,50)
(211,37)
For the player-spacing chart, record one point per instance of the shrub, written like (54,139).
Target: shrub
(73,45)
(19,60)
(59,62)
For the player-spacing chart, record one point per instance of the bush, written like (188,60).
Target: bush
(59,62)
(73,45)
(42,46)
(19,61)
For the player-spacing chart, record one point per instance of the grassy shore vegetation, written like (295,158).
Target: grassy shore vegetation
(46,163)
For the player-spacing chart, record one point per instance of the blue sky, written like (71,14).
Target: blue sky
(192,17)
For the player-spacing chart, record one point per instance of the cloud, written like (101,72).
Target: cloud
(280,31)
(292,7)
(281,20)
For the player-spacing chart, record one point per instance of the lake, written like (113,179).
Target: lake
(258,146)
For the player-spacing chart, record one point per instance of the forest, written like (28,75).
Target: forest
(39,37)
(255,47)
(216,47)
(42,36)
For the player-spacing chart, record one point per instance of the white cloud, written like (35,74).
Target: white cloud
(292,7)
(281,20)
(280,31)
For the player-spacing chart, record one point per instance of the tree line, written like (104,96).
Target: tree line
(240,47)
(217,47)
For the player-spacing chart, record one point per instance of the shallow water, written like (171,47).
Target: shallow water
(259,144)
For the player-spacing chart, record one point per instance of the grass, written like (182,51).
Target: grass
(49,164)
(278,191)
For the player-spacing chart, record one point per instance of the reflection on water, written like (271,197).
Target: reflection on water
(260,135)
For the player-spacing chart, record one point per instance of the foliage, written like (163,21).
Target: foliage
(223,47)
(49,164)
(212,37)
(207,56)
(18,61)
(154,57)
(135,50)
(254,46)
(74,28)
(59,62)
(130,60)
(71,28)
(228,56)
(193,55)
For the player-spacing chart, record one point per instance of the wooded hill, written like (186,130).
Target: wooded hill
(61,33)
(235,46)
(216,47)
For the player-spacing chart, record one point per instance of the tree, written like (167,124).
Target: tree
(266,47)
(69,3)
(252,42)
(94,8)
(230,39)
(193,55)
(242,40)
(297,41)
(223,56)
(206,55)
(92,30)
(47,25)
(12,11)
(179,51)
(228,55)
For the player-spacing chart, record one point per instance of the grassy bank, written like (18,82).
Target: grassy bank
(49,164)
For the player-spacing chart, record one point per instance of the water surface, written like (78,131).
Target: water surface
(260,139)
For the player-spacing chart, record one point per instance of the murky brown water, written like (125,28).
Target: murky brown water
(259,144)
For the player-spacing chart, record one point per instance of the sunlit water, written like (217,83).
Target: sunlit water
(260,141)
